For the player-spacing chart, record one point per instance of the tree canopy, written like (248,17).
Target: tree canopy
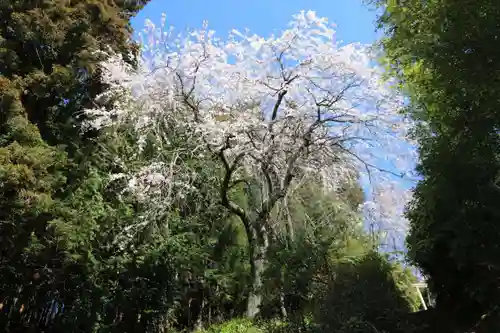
(50,192)
(444,55)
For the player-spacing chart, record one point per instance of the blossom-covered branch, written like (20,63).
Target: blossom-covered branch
(276,109)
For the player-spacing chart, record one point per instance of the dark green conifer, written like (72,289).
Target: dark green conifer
(48,74)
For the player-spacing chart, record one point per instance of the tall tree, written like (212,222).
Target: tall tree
(445,55)
(272,111)
(48,74)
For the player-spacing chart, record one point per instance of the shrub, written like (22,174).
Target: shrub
(364,297)
(234,326)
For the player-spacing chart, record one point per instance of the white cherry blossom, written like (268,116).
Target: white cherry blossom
(276,109)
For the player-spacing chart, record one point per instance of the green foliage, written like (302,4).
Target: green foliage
(54,206)
(48,47)
(321,228)
(363,295)
(234,326)
(444,54)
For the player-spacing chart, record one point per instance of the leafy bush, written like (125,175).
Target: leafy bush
(247,326)
(357,325)
(364,296)
(234,326)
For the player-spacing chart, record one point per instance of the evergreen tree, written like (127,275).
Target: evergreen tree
(48,49)
(445,54)
(48,73)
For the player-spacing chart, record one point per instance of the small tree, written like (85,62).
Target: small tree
(273,111)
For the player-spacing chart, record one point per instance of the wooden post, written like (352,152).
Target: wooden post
(418,286)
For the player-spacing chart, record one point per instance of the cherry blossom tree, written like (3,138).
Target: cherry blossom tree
(275,111)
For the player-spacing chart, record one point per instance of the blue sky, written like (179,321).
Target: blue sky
(355,21)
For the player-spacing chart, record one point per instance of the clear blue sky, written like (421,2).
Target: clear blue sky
(355,22)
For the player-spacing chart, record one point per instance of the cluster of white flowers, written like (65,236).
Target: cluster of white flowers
(298,103)
(384,213)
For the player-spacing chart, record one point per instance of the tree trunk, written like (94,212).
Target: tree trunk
(290,240)
(198,326)
(259,244)
(283,311)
